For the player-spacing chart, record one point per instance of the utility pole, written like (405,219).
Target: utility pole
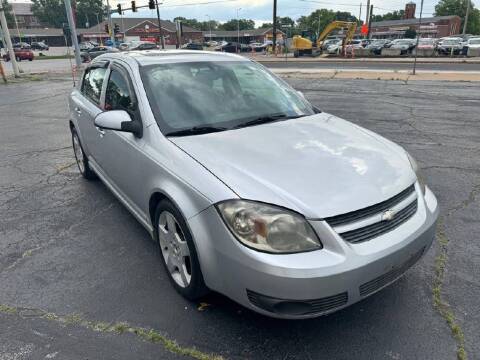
(466,18)
(160,31)
(274,33)
(110,23)
(8,42)
(367,19)
(209,26)
(238,30)
(73,32)
(360,15)
(370,14)
(418,38)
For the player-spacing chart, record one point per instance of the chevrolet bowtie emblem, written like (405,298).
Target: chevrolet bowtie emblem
(388,215)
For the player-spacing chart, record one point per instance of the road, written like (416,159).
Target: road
(63,65)
(81,279)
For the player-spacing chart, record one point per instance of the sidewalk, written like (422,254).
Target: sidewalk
(399,75)
(290,58)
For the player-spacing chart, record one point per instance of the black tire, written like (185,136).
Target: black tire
(196,288)
(80,158)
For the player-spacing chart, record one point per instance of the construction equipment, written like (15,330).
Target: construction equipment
(303,46)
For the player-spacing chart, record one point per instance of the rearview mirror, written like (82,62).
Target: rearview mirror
(118,120)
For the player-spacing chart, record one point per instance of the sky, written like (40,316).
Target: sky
(261,10)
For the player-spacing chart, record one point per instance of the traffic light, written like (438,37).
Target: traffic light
(119,9)
(134,7)
(116,29)
(107,29)
(151,4)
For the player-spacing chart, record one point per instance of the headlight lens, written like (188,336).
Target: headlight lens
(268,228)
(417,171)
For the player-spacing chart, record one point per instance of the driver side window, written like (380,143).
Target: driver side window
(118,95)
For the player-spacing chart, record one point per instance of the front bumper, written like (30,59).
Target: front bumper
(314,283)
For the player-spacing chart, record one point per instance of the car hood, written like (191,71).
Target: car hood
(318,165)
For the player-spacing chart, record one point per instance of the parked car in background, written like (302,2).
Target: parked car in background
(20,54)
(39,46)
(192,46)
(257,46)
(377,45)
(248,189)
(143,45)
(92,53)
(212,43)
(334,46)
(450,45)
(329,42)
(21,45)
(86,45)
(232,47)
(472,43)
(405,45)
(427,43)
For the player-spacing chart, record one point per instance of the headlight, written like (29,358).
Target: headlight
(417,171)
(268,228)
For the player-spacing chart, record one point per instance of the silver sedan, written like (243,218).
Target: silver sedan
(248,189)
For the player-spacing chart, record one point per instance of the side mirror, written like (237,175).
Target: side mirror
(118,120)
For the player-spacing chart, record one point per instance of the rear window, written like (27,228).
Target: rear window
(92,84)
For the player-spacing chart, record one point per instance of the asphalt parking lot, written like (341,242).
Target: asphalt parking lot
(81,279)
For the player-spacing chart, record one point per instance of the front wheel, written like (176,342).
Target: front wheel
(178,251)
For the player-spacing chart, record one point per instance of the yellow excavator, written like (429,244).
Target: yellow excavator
(302,46)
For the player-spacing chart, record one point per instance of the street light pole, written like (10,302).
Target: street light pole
(466,18)
(238,28)
(209,26)
(274,31)
(73,32)
(160,31)
(418,38)
(8,42)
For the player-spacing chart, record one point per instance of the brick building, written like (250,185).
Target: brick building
(433,27)
(142,29)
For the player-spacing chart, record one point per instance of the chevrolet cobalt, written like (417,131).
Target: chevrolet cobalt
(250,190)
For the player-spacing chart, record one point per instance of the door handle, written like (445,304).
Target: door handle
(78,111)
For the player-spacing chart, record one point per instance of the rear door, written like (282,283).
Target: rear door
(86,106)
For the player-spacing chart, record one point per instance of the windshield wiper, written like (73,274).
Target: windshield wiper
(267,119)
(196,130)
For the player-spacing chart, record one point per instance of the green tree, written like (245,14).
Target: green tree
(8,13)
(243,24)
(199,25)
(410,33)
(395,15)
(319,19)
(459,8)
(52,12)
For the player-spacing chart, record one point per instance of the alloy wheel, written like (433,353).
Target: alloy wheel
(174,249)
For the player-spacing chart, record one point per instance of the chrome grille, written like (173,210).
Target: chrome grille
(389,277)
(371,210)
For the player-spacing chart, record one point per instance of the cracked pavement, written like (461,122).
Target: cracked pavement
(67,246)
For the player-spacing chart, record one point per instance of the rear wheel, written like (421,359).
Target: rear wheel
(81,159)
(178,251)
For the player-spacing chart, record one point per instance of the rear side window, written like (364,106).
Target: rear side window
(92,84)
(118,95)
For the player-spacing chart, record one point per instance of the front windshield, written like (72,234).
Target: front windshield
(224,94)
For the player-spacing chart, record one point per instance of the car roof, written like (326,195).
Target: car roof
(151,57)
